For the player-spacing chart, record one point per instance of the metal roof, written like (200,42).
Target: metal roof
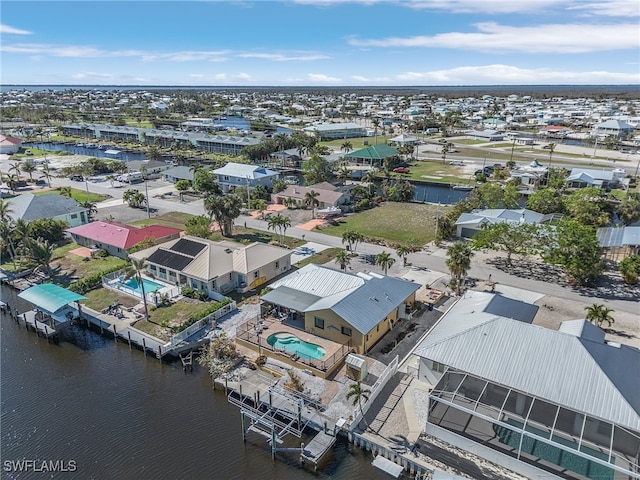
(290,298)
(574,372)
(618,237)
(50,205)
(319,280)
(50,297)
(374,152)
(241,170)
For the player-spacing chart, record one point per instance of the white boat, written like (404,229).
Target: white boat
(329,211)
(466,188)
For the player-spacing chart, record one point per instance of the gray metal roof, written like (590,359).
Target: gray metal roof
(320,281)
(618,237)
(31,207)
(575,372)
(241,170)
(497,215)
(368,305)
(290,298)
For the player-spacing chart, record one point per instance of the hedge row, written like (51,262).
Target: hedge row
(86,284)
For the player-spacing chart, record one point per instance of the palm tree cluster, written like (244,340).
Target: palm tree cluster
(459,262)
(134,198)
(280,223)
(18,241)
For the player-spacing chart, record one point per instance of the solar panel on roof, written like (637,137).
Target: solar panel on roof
(169,259)
(188,247)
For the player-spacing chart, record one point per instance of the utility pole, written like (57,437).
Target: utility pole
(146,192)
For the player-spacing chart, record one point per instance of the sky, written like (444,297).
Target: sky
(320,42)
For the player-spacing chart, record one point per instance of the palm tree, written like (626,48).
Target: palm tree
(311,200)
(5,209)
(599,314)
(65,192)
(29,167)
(41,253)
(459,261)
(552,147)
(358,394)
(402,251)
(346,147)
(344,174)
(224,210)
(46,174)
(376,123)
(135,270)
(343,259)
(445,150)
(111,179)
(91,209)
(352,238)
(6,227)
(385,260)
(15,167)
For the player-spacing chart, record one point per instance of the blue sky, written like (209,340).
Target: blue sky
(321,42)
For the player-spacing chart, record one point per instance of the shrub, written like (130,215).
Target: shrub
(86,284)
(208,310)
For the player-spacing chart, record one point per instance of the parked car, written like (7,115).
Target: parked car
(401,170)
(28,152)
(456,162)
(76,178)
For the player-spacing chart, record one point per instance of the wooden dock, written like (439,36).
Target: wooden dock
(33,322)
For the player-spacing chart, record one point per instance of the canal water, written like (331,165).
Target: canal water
(118,414)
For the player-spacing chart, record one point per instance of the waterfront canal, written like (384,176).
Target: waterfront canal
(118,414)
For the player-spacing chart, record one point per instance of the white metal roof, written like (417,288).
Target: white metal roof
(572,371)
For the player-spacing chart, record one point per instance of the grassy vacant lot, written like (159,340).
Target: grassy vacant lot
(319,258)
(103,297)
(162,318)
(77,194)
(170,219)
(396,222)
(75,266)
(433,171)
(357,143)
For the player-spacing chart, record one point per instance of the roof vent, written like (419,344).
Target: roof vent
(227,250)
(119,229)
(102,225)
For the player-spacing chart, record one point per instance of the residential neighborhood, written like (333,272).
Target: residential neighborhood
(465,267)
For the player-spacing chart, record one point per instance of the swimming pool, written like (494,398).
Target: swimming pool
(292,344)
(149,286)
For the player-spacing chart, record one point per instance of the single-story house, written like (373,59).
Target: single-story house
(592,177)
(487,135)
(174,174)
(404,139)
(468,224)
(328,195)
(211,266)
(563,401)
(31,207)
(371,155)
(9,145)
(619,242)
(332,131)
(234,175)
(341,306)
(117,239)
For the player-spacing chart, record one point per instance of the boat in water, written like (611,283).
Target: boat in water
(466,188)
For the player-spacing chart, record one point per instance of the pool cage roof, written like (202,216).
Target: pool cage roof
(519,420)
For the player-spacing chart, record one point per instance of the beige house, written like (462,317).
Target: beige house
(340,306)
(215,267)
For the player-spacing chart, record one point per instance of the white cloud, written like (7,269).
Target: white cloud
(280,57)
(12,30)
(495,38)
(187,56)
(511,75)
(322,78)
(606,8)
(609,8)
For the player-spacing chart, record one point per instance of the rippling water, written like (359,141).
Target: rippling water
(121,415)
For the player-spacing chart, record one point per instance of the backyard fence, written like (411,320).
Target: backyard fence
(359,412)
(203,322)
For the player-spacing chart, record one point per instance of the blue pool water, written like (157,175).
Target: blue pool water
(293,344)
(149,286)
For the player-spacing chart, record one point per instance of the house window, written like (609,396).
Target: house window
(163,271)
(74,215)
(319,322)
(346,331)
(152,268)
(438,367)
(255,274)
(277,264)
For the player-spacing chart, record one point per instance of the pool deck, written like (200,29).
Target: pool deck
(271,326)
(254,334)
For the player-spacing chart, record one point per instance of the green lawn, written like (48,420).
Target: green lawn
(396,222)
(101,298)
(319,258)
(433,171)
(72,265)
(358,143)
(170,219)
(469,141)
(77,194)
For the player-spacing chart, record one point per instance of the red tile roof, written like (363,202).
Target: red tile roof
(121,236)
(11,140)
